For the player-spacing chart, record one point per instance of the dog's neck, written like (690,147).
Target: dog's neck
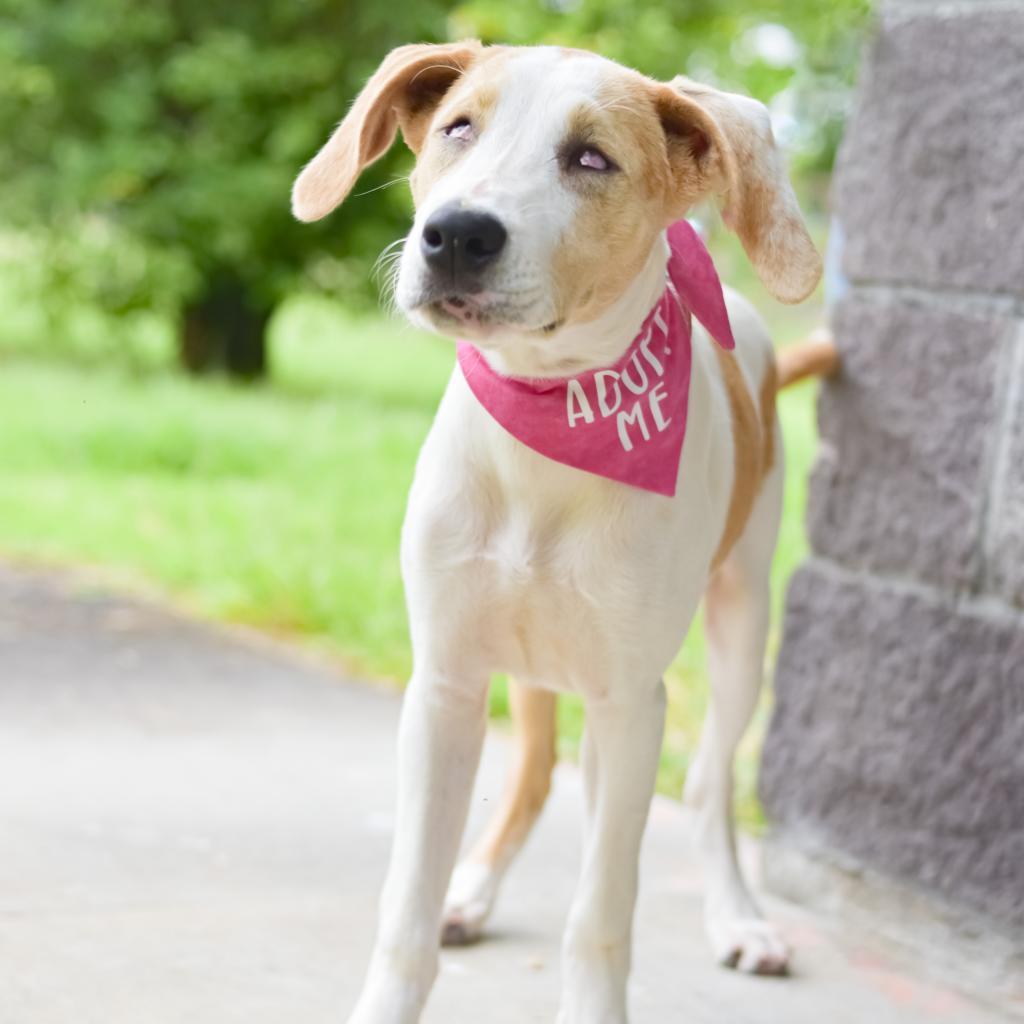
(576,348)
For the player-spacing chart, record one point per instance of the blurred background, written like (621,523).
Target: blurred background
(199,395)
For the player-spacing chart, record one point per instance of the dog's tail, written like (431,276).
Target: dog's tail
(816,356)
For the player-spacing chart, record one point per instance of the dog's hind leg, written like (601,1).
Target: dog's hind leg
(737,608)
(475,884)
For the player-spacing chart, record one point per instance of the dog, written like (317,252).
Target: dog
(550,188)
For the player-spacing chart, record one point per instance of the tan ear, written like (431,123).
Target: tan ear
(403,93)
(722,143)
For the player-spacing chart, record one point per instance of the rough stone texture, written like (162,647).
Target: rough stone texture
(908,433)
(903,743)
(896,749)
(929,177)
(1006,541)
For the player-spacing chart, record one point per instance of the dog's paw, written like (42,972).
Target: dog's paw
(749,944)
(397,984)
(468,904)
(381,1007)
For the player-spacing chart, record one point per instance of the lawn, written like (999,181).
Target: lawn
(280,505)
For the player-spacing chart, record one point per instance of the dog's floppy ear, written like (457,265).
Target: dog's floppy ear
(722,143)
(403,93)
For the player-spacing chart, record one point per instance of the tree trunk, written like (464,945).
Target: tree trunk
(225,329)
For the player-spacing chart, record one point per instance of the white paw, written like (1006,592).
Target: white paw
(470,898)
(593,1011)
(397,1006)
(611,1018)
(595,972)
(593,1014)
(748,944)
(396,986)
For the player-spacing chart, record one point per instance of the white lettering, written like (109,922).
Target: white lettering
(656,397)
(659,321)
(576,405)
(645,347)
(638,388)
(602,395)
(636,416)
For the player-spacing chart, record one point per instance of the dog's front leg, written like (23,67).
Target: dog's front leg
(621,763)
(439,742)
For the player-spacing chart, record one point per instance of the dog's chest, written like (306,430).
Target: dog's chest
(515,563)
(538,572)
(553,592)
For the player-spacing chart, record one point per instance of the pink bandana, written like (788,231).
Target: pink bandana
(626,422)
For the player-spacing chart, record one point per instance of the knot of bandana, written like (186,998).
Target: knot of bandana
(626,422)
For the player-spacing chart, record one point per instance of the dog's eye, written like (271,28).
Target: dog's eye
(590,158)
(461,130)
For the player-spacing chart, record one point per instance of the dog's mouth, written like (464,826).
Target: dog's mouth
(479,315)
(463,310)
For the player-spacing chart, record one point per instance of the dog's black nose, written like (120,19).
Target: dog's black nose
(461,241)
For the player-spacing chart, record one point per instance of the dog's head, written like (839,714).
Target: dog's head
(544,178)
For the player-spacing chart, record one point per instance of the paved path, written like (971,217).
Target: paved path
(193,829)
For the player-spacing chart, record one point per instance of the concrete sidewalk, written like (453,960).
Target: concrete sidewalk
(195,826)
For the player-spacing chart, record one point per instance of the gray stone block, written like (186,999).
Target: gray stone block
(909,428)
(1006,541)
(928,186)
(898,738)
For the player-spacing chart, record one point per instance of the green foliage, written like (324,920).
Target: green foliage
(279,506)
(151,147)
(158,142)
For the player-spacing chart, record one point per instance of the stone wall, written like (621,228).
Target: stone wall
(897,741)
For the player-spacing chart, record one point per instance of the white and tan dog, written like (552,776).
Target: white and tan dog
(544,183)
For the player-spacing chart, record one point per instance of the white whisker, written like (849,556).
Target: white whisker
(377,188)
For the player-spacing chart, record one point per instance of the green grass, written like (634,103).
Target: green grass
(276,505)
(280,505)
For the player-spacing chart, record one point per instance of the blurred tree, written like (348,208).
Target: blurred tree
(154,145)
(157,143)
